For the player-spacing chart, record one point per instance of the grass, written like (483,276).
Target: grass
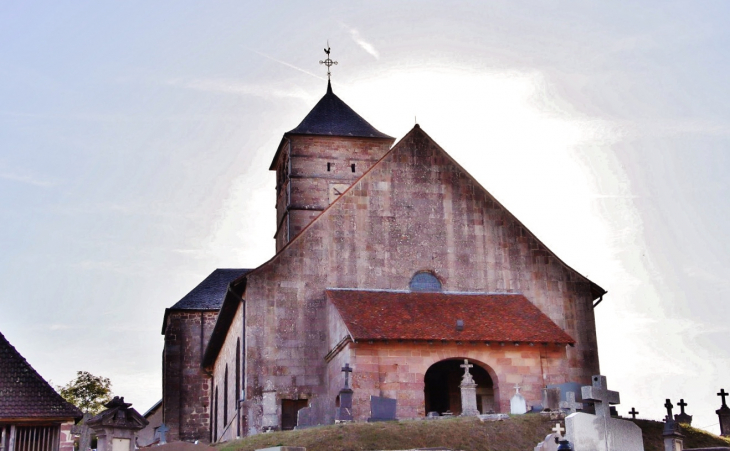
(519,433)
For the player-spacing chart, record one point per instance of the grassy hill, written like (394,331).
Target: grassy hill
(519,433)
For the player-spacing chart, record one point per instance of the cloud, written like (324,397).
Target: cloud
(368,47)
(25,179)
(228,86)
(287,64)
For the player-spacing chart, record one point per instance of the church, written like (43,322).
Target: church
(391,260)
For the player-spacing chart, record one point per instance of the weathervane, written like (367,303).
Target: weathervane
(328,62)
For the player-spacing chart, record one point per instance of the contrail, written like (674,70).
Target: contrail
(286,64)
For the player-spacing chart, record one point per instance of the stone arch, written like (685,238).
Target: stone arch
(441,386)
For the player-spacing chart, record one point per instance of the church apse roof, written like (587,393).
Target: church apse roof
(388,315)
(209,293)
(24,394)
(333,117)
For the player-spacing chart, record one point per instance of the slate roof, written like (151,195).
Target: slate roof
(388,315)
(24,393)
(333,117)
(209,293)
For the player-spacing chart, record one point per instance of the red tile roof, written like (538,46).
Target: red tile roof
(388,315)
(24,393)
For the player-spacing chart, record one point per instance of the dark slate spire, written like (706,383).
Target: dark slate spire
(332,117)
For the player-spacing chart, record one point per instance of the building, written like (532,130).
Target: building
(33,417)
(394,260)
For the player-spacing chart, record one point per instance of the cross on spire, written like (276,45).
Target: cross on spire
(347,370)
(669,406)
(682,405)
(328,61)
(723,394)
(602,397)
(633,412)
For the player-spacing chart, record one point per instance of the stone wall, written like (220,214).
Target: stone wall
(185,387)
(66,442)
(317,162)
(416,210)
(228,427)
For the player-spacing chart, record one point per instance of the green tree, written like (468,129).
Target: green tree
(87,392)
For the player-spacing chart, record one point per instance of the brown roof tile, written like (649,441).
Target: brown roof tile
(24,393)
(388,315)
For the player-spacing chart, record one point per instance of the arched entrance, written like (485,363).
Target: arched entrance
(442,393)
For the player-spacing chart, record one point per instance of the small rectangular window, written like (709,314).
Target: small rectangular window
(329,166)
(353,167)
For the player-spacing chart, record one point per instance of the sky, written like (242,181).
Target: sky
(135,141)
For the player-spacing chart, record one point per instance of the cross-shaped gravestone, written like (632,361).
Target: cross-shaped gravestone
(467,379)
(682,405)
(558,429)
(599,393)
(722,394)
(633,412)
(668,405)
(570,404)
(347,370)
(517,388)
(162,430)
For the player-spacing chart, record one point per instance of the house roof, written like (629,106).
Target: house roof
(24,393)
(389,315)
(333,117)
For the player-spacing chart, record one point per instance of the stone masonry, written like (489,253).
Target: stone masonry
(185,387)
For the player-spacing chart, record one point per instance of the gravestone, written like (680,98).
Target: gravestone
(382,409)
(633,412)
(551,440)
(162,430)
(306,418)
(344,411)
(493,417)
(673,438)
(517,405)
(683,417)
(468,392)
(723,413)
(270,418)
(570,405)
(600,431)
(551,399)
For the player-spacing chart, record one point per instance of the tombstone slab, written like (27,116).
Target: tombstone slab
(600,431)
(518,404)
(493,417)
(551,398)
(382,409)
(306,418)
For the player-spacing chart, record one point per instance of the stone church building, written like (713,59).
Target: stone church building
(389,258)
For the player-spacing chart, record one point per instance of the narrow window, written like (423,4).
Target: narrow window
(329,167)
(238,384)
(215,423)
(225,397)
(353,167)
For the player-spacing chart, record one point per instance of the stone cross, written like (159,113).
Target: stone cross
(668,405)
(517,388)
(558,430)
(467,379)
(633,412)
(347,370)
(601,396)
(722,394)
(570,404)
(162,430)
(682,405)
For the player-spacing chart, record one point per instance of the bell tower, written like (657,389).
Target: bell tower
(320,159)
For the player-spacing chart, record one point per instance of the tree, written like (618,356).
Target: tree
(87,392)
